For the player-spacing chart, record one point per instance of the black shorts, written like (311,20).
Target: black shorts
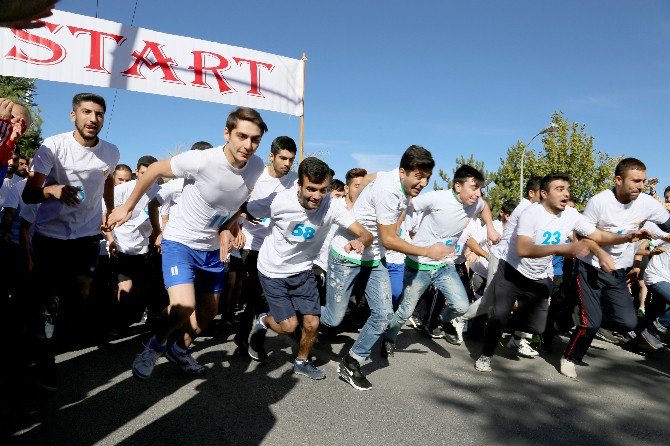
(288,295)
(131,266)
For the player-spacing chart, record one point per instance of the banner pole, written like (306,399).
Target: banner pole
(302,117)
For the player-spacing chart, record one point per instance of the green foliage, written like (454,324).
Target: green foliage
(22,90)
(568,150)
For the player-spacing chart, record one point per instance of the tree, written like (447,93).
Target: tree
(22,90)
(568,150)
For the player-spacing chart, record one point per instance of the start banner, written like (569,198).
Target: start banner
(84,50)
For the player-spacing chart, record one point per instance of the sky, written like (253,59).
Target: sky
(455,77)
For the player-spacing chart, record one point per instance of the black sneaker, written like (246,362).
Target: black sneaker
(242,344)
(435,333)
(450,334)
(388,349)
(350,371)
(257,340)
(47,377)
(415,322)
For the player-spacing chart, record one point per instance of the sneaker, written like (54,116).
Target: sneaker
(184,360)
(483,364)
(435,333)
(608,336)
(568,368)
(350,371)
(242,344)
(307,368)
(459,326)
(415,322)
(256,340)
(547,343)
(640,312)
(450,334)
(388,349)
(659,328)
(145,361)
(521,348)
(652,340)
(47,376)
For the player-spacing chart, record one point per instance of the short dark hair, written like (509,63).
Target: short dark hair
(356,172)
(201,145)
(627,164)
(533,184)
(146,161)
(546,180)
(245,114)
(123,167)
(464,172)
(667,189)
(88,97)
(508,207)
(337,185)
(314,169)
(416,157)
(574,200)
(23,157)
(283,143)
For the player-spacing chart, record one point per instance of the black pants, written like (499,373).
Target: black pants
(253,293)
(603,298)
(532,297)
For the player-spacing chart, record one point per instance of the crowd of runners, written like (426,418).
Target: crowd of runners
(218,230)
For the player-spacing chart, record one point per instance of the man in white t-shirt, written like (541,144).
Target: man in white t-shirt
(14,120)
(378,209)
(129,244)
(446,213)
(603,292)
(276,177)
(216,182)
(70,175)
(301,219)
(525,276)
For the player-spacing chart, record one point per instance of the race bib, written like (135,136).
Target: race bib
(550,237)
(218,220)
(453,242)
(300,232)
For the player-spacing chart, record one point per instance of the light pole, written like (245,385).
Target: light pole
(548,129)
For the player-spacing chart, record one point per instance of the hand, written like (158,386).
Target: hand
(227,240)
(439,251)
(113,249)
(239,240)
(25,15)
(354,245)
(158,241)
(606,262)
(632,276)
(117,217)
(653,182)
(18,128)
(578,249)
(492,235)
(658,250)
(640,234)
(6,107)
(471,258)
(67,194)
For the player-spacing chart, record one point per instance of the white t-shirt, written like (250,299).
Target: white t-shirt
(296,234)
(381,202)
(407,226)
(658,268)
(6,186)
(169,193)
(132,237)
(322,259)
(481,266)
(608,214)
(545,228)
(14,201)
(64,161)
(213,190)
(500,250)
(444,219)
(266,185)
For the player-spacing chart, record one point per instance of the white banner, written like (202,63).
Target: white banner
(84,50)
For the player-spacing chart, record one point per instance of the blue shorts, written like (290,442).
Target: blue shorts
(287,295)
(182,264)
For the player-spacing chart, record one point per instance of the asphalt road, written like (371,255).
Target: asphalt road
(428,394)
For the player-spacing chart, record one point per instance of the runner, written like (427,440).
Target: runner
(378,209)
(301,218)
(70,175)
(217,181)
(524,277)
(603,293)
(446,215)
(277,177)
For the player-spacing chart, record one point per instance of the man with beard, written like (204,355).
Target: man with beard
(70,175)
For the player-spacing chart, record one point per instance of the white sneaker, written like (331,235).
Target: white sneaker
(521,348)
(48,324)
(459,325)
(483,364)
(568,368)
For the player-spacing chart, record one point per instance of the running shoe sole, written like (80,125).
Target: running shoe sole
(348,379)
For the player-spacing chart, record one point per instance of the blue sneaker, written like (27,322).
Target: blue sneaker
(145,361)
(185,361)
(307,368)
